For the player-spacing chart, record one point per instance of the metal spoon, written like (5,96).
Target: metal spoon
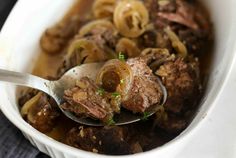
(56,90)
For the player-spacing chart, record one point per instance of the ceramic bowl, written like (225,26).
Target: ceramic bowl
(19,44)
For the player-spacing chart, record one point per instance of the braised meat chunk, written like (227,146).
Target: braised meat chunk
(171,123)
(87,99)
(41,112)
(108,140)
(95,42)
(145,90)
(181,80)
(55,38)
(102,32)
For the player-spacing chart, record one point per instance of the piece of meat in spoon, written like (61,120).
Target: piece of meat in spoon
(86,100)
(145,90)
(99,102)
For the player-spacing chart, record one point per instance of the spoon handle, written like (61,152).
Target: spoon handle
(24,79)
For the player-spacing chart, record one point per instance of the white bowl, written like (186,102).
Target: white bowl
(18,51)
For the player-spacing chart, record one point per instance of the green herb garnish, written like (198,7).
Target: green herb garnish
(116,95)
(111,122)
(121,56)
(100,91)
(145,116)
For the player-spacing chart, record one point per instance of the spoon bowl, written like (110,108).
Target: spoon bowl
(56,90)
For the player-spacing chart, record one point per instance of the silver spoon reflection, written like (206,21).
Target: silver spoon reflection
(56,90)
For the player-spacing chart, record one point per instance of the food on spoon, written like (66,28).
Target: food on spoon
(130,84)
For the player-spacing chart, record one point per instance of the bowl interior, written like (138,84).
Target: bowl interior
(19,45)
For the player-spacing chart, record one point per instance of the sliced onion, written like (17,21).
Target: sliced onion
(84,51)
(127,47)
(131,18)
(30,103)
(154,51)
(155,57)
(118,71)
(176,43)
(103,8)
(33,106)
(97,24)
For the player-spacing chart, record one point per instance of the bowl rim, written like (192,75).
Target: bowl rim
(43,139)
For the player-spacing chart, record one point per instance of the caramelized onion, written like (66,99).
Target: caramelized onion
(103,8)
(30,103)
(33,106)
(131,18)
(115,76)
(84,51)
(155,57)
(176,43)
(99,25)
(154,51)
(127,47)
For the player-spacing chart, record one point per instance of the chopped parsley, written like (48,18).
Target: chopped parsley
(111,122)
(116,95)
(100,91)
(145,116)
(121,56)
